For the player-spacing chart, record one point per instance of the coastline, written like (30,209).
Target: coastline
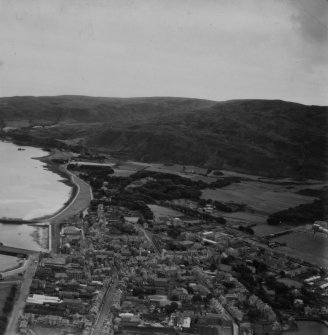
(67,180)
(19,264)
(54,168)
(79,197)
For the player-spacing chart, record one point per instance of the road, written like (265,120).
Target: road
(6,282)
(23,294)
(148,237)
(80,202)
(105,309)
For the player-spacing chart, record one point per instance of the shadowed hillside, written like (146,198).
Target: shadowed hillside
(274,138)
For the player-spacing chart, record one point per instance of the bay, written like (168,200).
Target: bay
(27,191)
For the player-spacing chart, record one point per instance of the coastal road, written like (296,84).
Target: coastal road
(80,202)
(23,294)
(105,309)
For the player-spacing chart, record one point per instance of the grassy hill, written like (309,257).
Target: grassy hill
(273,138)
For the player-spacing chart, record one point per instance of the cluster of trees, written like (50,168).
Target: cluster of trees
(225,181)
(168,186)
(228,208)
(3,324)
(7,308)
(246,229)
(95,175)
(162,186)
(318,193)
(302,214)
(305,213)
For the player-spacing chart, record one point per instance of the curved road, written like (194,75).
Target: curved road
(79,203)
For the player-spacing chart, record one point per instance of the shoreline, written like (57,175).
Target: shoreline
(14,267)
(54,168)
(79,197)
(67,180)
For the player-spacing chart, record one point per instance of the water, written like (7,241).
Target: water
(8,262)
(24,236)
(27,191)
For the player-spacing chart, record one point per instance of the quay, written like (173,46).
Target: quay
(17,221)
(281,233)
(12,251)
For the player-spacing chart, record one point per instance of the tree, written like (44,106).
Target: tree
(197,298)
(174,297)
(169,309)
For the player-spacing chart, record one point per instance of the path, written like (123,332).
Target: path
(149,238)
(105,308)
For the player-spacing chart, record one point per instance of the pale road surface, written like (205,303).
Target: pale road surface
(148,237)
(6,282)
(23,294)
(80,202)
(105,309)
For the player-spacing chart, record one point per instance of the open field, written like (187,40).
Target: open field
(306,245)
(160,211)
(17,123)
(262,197)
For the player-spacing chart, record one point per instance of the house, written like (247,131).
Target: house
(133,330)
(40,299)
(55,261)
(181,293)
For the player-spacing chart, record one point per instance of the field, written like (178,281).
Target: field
(264,198)
(302,243)
(17,123)
(160,211)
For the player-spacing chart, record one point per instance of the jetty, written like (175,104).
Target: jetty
(17,221)
(12,251)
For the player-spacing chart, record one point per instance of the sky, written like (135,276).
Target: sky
(211,49)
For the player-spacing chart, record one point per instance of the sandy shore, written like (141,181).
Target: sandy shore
(79,200)
(67,179)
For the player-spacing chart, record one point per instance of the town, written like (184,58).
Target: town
(120,269)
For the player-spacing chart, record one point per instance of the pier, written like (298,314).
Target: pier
(281,233)
(17,221)
(12,251)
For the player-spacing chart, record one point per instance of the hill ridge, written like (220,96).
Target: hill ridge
(257,136)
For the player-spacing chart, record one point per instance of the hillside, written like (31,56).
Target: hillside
(273,138)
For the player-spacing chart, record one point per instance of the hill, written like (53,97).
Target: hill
(265,137)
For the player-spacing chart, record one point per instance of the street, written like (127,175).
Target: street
(104,313)
(148,237)
(23,294)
